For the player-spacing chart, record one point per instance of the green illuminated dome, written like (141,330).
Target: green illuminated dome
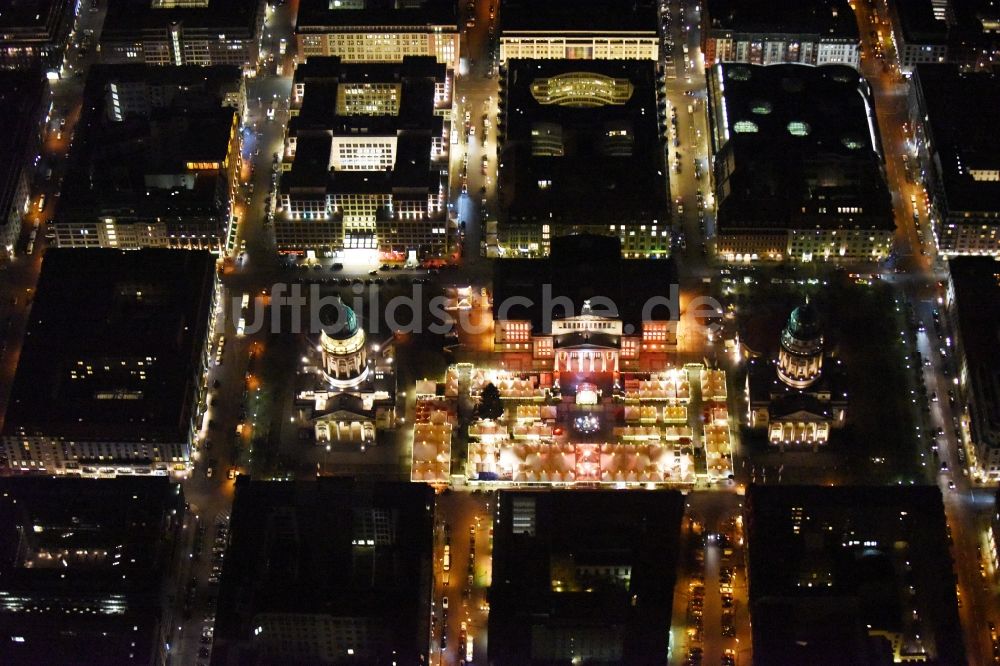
(344,326)
(803,324)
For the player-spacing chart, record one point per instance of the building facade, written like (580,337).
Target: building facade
(34,35)
(959,155)
(24,103)
(156,160)
(344,351)
(558,30)
(963,32)
(814,33)
(123,392)
(623,310)
(794,180)
(971,299)
(791,398)
(374,31)
(203,32)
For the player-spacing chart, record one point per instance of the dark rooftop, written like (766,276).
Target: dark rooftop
(795,145)
(332,547)
(582,267)
(965,25)
(322,77)
(977,305)
(112,345)
(324,14)
(918,22)
(81,565)
(964,136)
(578,15)
(827,18)
(582,143)
(25,16)
(194,81)
(850,553)
(320,119)
(126,17)
(543,596)
(21,95)
(33,33)
(135,167)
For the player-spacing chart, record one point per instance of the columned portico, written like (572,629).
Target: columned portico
(587,360)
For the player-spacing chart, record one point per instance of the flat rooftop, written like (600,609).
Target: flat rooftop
(323,115)
(20,19)
(582,143)
(317,15)
(195,80)
(591,565)
(136,166)
(965,25)
(845,558)
(827,18)
(331,546)
(129,17)
(82,562)
(322,78)
(793,142)
(965,143)
(582,267)
(590,16)
(112,345)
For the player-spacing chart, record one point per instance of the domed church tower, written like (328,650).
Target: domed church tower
(800,359)
(345,359)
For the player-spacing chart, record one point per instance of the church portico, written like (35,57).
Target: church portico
(797,398)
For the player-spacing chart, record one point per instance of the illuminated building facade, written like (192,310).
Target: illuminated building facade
(611,311)
(798,399)
(379,30)
(797,165)
(959,155)
(33,35)
(811,33)
(344,352)
(581,152)
(800,358)
(963,32)
(589,390)
(972,300)
(202,32)
(154,164)
(364,164)
(558,30)
(22,105)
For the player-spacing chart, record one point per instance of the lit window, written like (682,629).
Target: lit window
(799,128)
(852,142)
(745,127)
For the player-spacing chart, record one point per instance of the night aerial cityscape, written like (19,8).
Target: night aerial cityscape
(499,332)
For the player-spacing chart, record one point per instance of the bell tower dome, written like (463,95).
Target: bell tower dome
(800,358)
(345,359)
